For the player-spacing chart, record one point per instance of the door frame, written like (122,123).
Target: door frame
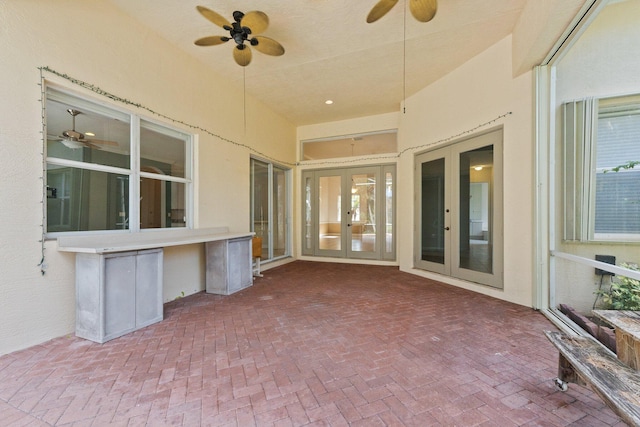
(444,190)
(311,228)
(452,215)
(269,241)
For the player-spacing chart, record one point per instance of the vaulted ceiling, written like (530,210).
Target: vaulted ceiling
(332,53)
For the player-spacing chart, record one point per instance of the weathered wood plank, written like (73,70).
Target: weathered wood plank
(627,320)
(627,326)
(617,384)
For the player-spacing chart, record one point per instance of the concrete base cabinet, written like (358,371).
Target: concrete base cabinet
(117,293)
(229,267)
(119,283)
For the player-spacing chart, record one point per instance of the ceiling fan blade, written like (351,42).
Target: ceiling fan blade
(380,9)
(423,10)
(268,46)
(211,41)
(256,20)
(242,56)
(212,16)
(99,142)
(91,145)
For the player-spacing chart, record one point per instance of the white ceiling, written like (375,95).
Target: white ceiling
(332,53)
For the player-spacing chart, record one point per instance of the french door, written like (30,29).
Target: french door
(349,212)
(270,208)
(459,210)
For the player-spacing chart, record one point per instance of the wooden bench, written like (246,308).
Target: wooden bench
(627,327)
(585,361)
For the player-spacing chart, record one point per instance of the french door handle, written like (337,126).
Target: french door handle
(446,228)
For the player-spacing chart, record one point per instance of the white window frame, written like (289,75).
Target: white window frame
(580,130)
(269,255)
(616,106)
(133,172)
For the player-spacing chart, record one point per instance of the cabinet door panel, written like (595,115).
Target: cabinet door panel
(148,292)
(120,295)
(240,273)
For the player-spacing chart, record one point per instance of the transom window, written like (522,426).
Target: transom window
(107,169)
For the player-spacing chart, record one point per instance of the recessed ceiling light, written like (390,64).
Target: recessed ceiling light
(478,168)
(328,102)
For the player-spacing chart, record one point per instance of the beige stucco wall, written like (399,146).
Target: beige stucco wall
(603,62)
(477,92)
(92,41)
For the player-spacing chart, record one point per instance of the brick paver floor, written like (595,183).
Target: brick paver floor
(310,344)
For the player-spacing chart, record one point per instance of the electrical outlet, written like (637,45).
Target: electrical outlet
(609,259)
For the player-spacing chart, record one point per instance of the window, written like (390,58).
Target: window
(373,143)
(617,166)
(602,169)
(111,170)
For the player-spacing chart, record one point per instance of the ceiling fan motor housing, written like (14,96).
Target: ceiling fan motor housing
(73,135)
(238,33)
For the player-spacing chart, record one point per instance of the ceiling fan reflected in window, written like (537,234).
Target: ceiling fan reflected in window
(422,10)
(242,30)
(74,139)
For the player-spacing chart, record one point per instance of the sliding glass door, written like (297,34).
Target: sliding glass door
(459,210)
(349,212)
(270,208)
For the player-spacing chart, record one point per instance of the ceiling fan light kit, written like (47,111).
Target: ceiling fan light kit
(242,30)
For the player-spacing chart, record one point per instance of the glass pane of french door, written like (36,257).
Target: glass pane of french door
(260,202)
(363,208)
(389,213)
(476,182)
(330,213)
(279,204)
(307,232)
(433,211)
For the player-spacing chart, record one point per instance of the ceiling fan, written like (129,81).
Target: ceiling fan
(245,25)
(422,10)
(74,139)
